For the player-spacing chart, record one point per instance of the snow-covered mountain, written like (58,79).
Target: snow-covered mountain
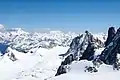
(36,56)
(24,41)
(101,62)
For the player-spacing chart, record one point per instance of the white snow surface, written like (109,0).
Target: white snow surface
(31,66)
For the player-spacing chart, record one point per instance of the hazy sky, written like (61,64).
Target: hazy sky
(71,15)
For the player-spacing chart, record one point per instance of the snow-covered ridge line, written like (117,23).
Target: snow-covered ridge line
(23,41)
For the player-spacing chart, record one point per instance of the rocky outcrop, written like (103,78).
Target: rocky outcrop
(63,67)
(109,54)
(12,57)
(89,52)
(74,46)
(9,53)
(90,69)
(61,70)
(111,34)
(82,47)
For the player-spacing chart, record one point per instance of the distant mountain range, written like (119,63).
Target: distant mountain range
(23,41)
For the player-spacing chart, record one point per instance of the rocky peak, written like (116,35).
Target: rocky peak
(82,47)
(111,34)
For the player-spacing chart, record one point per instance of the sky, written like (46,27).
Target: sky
(65,15)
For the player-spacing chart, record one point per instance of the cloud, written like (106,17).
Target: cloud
(1,27)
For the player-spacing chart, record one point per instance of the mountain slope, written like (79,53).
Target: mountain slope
(35,56)
(39,65)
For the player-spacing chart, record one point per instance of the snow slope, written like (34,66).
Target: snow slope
(39,65)
(43,64)
(77,72)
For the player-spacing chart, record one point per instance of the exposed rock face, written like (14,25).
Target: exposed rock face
(74,46)
(81,44)
(9,53)
(68,60)
(116,66)
(12,57)
(82,47)
(111,34)
(89,52)
(63,67)
(61,70)
(90,69)
(109,54)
